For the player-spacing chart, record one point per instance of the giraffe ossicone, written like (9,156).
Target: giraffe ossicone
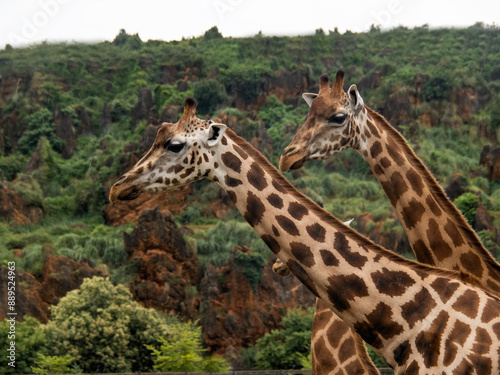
(420,319)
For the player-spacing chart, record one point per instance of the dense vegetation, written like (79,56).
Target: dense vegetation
(418,73)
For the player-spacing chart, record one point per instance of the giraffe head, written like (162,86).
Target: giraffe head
(182,153)
(332,124)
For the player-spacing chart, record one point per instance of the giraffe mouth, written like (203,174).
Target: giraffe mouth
(298,164)
(125,195)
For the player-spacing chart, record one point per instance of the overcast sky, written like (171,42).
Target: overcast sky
(25,22)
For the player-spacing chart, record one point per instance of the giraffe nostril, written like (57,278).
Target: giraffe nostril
(288,150)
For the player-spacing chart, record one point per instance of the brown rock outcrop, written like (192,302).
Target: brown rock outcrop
(490,158)
(13,207)
(166,268)
(142,108)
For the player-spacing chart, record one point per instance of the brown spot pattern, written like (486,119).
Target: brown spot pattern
(255,209)
(428,342)
(395,154)
(337,330)
(452,231)
(328,258)
(416,182)
(472,263)
(456,339)
(302,275)
(231,161)
(317,232)
(275,200)
(418,308)
(271,243)
(490,310)
(232,182)
(278,187)
(302,253)
(431,203)
(441,248)
(240,151)
(297,210)
(376,149)
(256,177)
(385,162)
(392,283)
(412,213)
(422,252)
(342,246)
(398,183)
(287,225)
(402,352)
(444,288)
(468,304)
(344,288)
(346,349)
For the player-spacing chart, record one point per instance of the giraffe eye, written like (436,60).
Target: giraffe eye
(174,147)
(338,118)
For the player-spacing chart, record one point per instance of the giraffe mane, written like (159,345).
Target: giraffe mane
(333,221)
(436,189)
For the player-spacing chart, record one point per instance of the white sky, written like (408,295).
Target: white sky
(24,22)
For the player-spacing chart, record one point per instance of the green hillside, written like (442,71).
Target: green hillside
(73,118)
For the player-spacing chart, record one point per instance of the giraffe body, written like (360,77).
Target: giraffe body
(420,319)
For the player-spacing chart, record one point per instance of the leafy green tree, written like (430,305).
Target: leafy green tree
(103,329)
(40,124)
(46,364)
(286,348)
(209,93)
(181,351)
(29,340)
(467,203)
(212,33)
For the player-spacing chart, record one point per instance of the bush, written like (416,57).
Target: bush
(103,329)
(467,203)
(181,351)
(52,364)
(30,340)
(285,348)
(40,124)
(209,94)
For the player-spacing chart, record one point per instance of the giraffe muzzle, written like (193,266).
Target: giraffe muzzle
(128,194)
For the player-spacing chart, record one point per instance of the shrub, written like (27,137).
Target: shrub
(209,94)
(30,340)
(467,203)
(40,124)
(181,351)
(52,364)
(103,329)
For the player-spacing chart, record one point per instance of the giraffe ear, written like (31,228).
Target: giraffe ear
(357,102)
(214,133)
(348,222)
(309,97)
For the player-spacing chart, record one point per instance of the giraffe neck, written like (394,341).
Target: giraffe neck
(437,232)
(382,296)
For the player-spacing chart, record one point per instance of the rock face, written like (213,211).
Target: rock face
(142,108)
(235,315)
(490,157)
(166,268)
(65,131)
(13,207)
(34,296)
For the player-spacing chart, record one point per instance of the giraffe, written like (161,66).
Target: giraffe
(419,318)
(437,232)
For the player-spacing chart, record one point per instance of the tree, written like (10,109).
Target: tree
(40,124)
(29,340)
(212,33)
(103,329)
(209,93)
(286,348)
(467,203)
(181,351)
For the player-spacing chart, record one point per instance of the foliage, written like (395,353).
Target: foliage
(285,348)
(103,329)
(209,94)
(40,124)
(52,364)
(181,351)
(29,341)
(467,203)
